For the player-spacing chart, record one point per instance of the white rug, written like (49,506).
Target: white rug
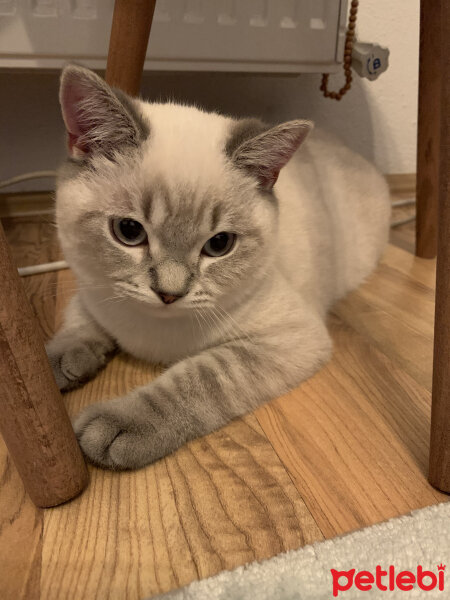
(421,538)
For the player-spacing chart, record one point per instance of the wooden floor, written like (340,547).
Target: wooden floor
(347,449)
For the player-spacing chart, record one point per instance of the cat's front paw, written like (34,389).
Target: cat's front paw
(75,363)
(111,438)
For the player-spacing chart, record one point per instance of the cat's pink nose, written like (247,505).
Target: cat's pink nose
(168,298)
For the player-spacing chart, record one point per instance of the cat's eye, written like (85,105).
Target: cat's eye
(220,244)
(129,231)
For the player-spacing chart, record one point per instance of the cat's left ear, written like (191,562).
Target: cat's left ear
(98,119)
(264,155)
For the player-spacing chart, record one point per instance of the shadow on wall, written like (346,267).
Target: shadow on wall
(33,136)
(273,98)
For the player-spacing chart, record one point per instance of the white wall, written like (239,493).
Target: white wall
(377,118)
(392,99)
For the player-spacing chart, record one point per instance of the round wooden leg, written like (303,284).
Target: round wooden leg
(34,422)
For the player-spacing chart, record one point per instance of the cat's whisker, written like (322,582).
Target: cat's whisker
(239,328)
(197,315)
(235,331)
(112,299)
(218,323)
(221,326)
(192,325)
(210,319)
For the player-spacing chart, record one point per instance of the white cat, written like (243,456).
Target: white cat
(210,244)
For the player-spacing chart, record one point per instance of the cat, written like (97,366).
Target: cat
(214,246)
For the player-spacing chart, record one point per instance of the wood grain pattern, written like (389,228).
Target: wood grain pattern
(354,437)
(348,448)
(440,422)
(428,127)
(130,31)
(217,503)
(379,317)
(34,422)
(35,241)
(417,269)
(21,523)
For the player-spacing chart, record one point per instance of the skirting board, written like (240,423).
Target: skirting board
(42,203)
(24,204)
(404,183)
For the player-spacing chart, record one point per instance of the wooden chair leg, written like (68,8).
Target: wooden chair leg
(428,132)
(440,417)
(34,422)
(130,31)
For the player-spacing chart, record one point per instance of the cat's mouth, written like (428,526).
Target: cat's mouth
(166,305)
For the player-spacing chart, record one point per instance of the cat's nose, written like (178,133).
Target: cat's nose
(168,298)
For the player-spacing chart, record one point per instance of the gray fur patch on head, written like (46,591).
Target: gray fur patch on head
(72,167)
(132,108)
(177,213)
(215,216)
(243,130)
(266,153)
(98,119)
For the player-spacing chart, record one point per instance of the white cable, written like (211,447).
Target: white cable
(406,202)
(43,268)
(403,221)
(25,177)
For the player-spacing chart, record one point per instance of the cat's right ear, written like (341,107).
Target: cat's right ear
(96,120)
(265,154)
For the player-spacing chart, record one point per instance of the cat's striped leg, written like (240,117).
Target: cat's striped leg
(198,395)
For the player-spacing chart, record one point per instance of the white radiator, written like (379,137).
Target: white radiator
(285,36)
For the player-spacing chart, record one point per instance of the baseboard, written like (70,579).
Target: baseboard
(404,183)
(24,204)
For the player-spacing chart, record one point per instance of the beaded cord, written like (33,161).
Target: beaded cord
(349,40)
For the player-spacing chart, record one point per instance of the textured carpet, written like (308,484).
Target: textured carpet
(420,538)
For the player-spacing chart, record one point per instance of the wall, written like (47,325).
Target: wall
(377,118)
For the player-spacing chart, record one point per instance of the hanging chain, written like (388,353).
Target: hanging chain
(349,41)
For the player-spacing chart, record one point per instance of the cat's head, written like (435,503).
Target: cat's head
(166,203)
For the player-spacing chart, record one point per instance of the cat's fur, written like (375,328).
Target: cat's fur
(251,325)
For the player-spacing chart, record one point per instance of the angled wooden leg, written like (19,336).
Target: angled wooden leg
(33,422)
(130,31)
(428,131)
(440,417)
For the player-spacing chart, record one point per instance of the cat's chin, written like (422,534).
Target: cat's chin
(164,312)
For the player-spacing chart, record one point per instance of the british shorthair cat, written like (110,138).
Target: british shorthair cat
(210,244)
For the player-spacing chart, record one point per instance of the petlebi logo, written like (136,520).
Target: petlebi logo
(388,579)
